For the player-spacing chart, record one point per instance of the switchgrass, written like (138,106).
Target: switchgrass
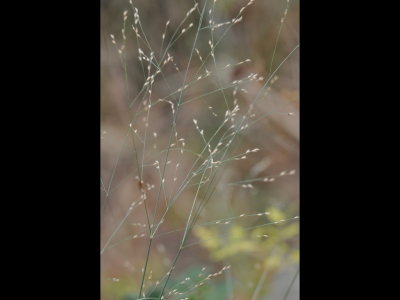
(185,124)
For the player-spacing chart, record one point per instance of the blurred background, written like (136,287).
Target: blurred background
(248,228)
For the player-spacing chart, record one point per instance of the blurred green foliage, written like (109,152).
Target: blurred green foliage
(273,242)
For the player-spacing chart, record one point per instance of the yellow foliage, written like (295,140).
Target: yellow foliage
(295,256)
(271,240)
(273,261)
(208,238)
(236,233)
(290,231)
(233,249)
(276,214)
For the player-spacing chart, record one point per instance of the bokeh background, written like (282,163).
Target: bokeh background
(263,257)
